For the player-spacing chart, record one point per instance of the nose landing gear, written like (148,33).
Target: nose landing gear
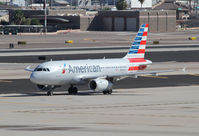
(49,93)
(49,88)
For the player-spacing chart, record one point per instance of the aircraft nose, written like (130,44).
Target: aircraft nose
(33,78)
(39,78)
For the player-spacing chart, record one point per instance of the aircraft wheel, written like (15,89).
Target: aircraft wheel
(75,90)
(110,91)
(107,92)
(49,93)
(72,90)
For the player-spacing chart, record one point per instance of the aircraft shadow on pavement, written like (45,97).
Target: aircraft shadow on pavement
(82,93)
(18,88)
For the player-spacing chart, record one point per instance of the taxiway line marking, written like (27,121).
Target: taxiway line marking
(25,103)
(194,74)
(5,81)
(155,76)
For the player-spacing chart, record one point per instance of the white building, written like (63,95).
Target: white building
(137,4)
(17,2)
(4,1)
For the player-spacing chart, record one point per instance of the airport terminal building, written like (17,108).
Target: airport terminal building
(158,20)
(125,20)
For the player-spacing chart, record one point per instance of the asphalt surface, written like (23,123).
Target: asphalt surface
(94,39)
(147,105)
(96,48)
(25,86)
(178,56)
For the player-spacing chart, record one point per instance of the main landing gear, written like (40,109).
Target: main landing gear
(49,93)
(72,90)
(108,91)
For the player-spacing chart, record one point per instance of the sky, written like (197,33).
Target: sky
(19,2)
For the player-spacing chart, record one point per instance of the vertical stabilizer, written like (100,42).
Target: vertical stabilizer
(137,49)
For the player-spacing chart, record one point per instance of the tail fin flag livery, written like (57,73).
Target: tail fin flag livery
(99,74)
(137,49)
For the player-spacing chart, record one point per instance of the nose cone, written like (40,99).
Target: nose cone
(34,78)
(40,78)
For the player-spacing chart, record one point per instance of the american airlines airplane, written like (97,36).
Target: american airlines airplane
(99,74)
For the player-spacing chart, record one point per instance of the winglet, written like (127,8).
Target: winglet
(184,69)
(28,68)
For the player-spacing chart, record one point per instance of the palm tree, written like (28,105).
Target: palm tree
(141,2)
(121,4)
(18,16)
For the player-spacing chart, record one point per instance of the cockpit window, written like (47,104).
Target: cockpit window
(39,69)
(42,69)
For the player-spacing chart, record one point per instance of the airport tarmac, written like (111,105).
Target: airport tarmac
(148,105)
(158,111)
(95,39)
(9,86)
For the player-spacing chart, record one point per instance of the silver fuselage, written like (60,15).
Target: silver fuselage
(73,71)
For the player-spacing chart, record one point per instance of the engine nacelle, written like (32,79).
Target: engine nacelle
(100,85)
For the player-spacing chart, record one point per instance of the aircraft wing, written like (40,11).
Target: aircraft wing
(136,74)
(152,72)
(117,78)
(28,68)
(133,75)
(85,77)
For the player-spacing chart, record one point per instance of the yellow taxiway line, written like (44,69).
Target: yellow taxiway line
(155,76)
(5,81)
(194,74)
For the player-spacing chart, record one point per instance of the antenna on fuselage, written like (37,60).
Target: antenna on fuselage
(104,57)
(51,59)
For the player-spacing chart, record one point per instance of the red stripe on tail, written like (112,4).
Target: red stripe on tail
(143,42)
(144,34)
(141,51)
(131,60)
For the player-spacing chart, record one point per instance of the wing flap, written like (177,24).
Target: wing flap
(155,73)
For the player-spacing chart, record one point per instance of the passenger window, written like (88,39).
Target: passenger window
(44,69)
(48,69)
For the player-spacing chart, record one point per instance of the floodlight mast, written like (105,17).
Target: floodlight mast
(45,17)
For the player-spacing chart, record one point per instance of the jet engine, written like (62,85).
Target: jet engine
(100,85)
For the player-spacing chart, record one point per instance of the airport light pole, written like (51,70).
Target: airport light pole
(197,9)
(50,4)
(45,17)
(71,4)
